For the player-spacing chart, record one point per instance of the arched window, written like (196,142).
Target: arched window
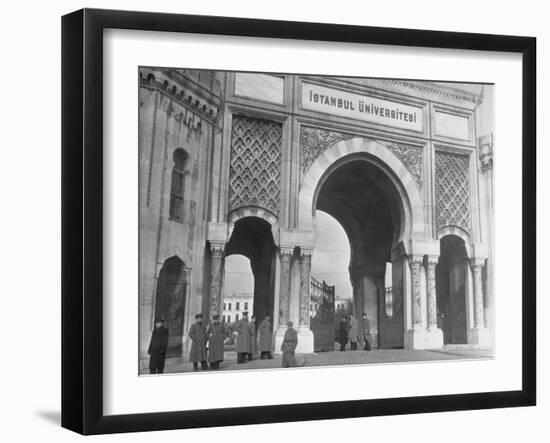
(177,189)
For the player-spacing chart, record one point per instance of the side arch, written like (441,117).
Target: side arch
(458,232)
(379,155)
(253,211)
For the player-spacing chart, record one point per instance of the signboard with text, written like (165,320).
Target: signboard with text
(361,107)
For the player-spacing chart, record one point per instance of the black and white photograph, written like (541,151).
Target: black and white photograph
(288,221)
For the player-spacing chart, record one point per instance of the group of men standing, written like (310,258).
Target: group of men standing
(348,330)
(246,343)
(207,343)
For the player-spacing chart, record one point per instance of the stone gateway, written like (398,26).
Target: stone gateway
(239,163)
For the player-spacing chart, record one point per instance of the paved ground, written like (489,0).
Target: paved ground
(375,356)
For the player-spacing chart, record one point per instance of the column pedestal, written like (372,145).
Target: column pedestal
(305,341)
(424,339)
(480,337)
(279,337)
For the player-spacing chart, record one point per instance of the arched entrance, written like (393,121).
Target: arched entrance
(374,196)
(252,237)
(363,199)
(451,289)
(170,302)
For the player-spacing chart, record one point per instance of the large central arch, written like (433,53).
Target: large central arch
(376,200)
(374,152)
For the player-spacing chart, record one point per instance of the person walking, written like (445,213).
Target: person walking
(215,335)
(343,333)
(353,332)
(366,332)
(290,341)
(197,334)
(157,347)
(266,338)
(252,345)
(243,338)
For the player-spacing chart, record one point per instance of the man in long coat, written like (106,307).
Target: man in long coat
(266,338)
(343,333)
(353,332)
(290,341)
(215,335)
(243,338)
(252,345)
(197,334)
(366,331)
(157,347)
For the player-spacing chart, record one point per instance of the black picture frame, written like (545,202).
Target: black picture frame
(82,219)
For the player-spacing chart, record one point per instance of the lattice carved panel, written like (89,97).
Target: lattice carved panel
(452,190)
(255,166)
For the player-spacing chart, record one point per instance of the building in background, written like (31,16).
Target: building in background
(235,304)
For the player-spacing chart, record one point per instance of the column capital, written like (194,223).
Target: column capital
(217,248)
(286,252)
(305,254)
(432,259)
(416,259)
(477,262)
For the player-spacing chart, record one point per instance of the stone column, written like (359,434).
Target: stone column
(305,336)
(216,278)
(305,282)
(432,300)
(434,335)
(416,263)
(284,290)
(479,334)
(477,265)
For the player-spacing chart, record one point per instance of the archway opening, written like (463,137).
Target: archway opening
(252,238)
(170,302)
(366,203)
(451,289)
(238,288)
(331,289)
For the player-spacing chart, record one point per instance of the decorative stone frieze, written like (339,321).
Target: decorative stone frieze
(192,107)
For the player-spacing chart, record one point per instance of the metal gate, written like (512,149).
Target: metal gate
(322,315)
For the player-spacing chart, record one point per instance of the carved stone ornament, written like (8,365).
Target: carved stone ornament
(412,157)
(485,143)
(314,141)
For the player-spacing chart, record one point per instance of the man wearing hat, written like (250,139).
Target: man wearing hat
(290,341)
(266,338)
(197,334)
(243,338)
(157,347)
(215,334)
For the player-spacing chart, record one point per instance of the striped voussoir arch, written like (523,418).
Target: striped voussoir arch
(380,156)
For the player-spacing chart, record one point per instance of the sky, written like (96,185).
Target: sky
(331,256)
(329,262)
